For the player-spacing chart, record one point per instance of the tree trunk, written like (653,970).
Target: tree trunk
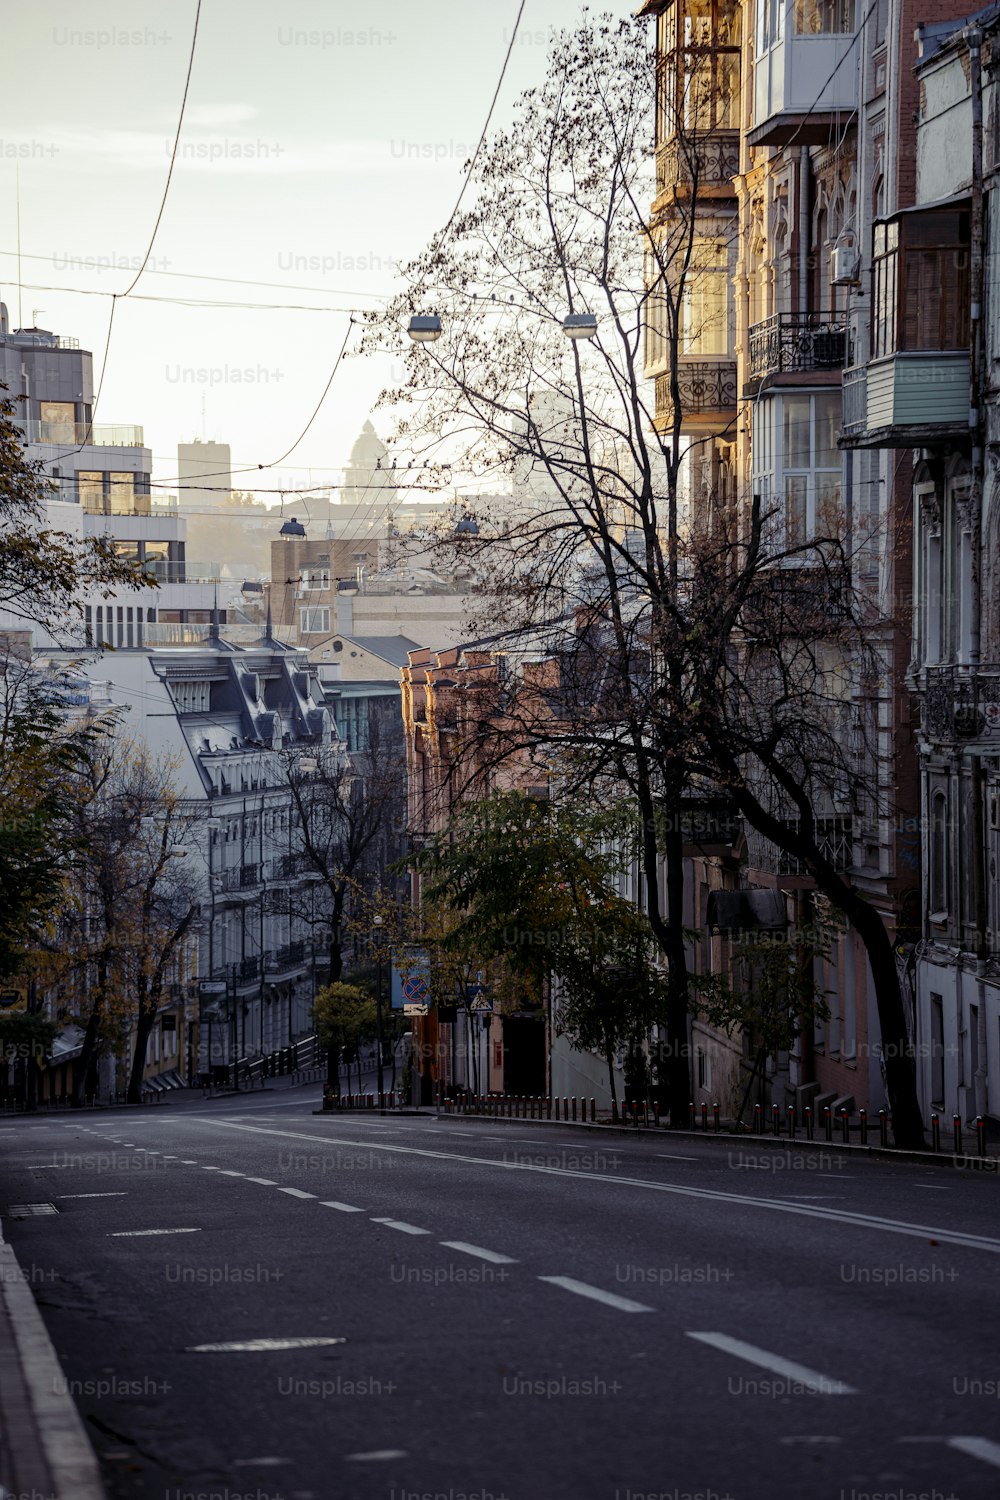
(143,1031)
(678,1070)
(83,1063)
(609,1053)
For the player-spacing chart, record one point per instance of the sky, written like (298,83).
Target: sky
(323,143)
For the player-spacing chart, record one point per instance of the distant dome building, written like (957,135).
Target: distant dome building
(368,478)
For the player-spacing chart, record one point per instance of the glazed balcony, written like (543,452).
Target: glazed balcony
(803,75)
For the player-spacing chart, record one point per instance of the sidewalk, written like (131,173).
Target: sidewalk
(44,1449)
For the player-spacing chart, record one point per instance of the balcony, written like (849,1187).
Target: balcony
(796,345)
(834,836)
(100,435)
(803,76)
(707,160)
(959,703)
(284,961)
(908,400)
(707,390)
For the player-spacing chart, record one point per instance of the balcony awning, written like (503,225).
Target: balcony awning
(746,911)
(938,205)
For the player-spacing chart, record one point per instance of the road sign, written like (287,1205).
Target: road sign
(414,1010)
(411,977)
(13,1002)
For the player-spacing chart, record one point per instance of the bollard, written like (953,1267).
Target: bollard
(758,1118)
(715,1116)
(845,1128)
(791,1122)
(980,1135)
(828,1122)
(775,1120)
(574,1106)
(692,1121)
(863,1117)
(593,1111)
(809,1122)
(935,1133)
(656,1114)
(548,1107)
(565,1108)
(883,1129)
(956,1121)
(704,1115)
(614,1112)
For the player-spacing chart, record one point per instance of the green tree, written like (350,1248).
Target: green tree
(344,1017)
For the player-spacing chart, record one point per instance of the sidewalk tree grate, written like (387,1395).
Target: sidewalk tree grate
(29,1210)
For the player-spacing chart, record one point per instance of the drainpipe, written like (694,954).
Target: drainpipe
(974,39)
(803,229)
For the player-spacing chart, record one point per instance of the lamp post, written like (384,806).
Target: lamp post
(378,923)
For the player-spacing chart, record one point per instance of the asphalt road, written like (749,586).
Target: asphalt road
(506,1309)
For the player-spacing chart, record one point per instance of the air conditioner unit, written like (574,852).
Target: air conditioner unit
(845,265)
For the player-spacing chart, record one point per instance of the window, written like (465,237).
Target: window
(314,621)
(706,312)
(704,1068)
(921,282)
(797,466)
(823,17)
(698,65)
(122,494)
(770,23)
(937,1051)
(90,491)
(315,579)
(939,856)
(57,422)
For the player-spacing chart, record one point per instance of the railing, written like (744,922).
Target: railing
(855,399)
(705,387)
(704,159)
(160,633)
(791,342)
(834,837)
(959,704)
(171,571)
(100,435)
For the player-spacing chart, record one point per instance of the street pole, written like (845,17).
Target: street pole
(377,923)
(235,1032)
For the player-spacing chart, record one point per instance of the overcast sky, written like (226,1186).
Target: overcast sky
(322,142)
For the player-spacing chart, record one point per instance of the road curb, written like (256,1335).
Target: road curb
(986,1165)
(65,1446)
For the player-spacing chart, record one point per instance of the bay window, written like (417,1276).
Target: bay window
(797,466)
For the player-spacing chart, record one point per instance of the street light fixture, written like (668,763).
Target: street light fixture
(425,328)
(579,325)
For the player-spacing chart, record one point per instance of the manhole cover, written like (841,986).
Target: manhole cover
(30,1210)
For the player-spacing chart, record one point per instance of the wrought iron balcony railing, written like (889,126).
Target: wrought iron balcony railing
(707,389)
(789,343)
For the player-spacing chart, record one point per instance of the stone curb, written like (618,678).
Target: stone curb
(989,1165)
(66,1448)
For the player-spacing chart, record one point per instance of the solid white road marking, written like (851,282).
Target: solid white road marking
(611,1299)
(92,1195)
(977,1447)
(491,1255)
(345,1208)
(296,1193)
(259,1346)
(133,1234)
(377,1456)
(669,1156)
(820,1385)
(834,1215)
(398,1224)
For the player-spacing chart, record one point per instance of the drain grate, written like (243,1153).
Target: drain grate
(29,1210)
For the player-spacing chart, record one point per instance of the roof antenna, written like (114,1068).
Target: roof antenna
(20,309)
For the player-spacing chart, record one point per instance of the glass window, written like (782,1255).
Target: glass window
(57,422)
(706,306)
(823,17)
(90,490)
(314,621)
(796,452)
(698,45)
(939,853)
(122,494)
(796,509)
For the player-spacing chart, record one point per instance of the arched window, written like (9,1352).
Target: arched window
(939,853)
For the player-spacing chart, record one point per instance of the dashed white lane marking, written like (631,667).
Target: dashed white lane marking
(169,1158)
(491,1255)
(345,1208)
(134,1234)
(377,1456)
(596,1294)
(669,1156)
(790,1440)
(398,1224)
(807,1210)
(91,1195)
(296,1193)
(224,1173)
(819,1385)
(186,1162)
(264,1181)
(977,1447)
(259,1346)
(211,1169)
